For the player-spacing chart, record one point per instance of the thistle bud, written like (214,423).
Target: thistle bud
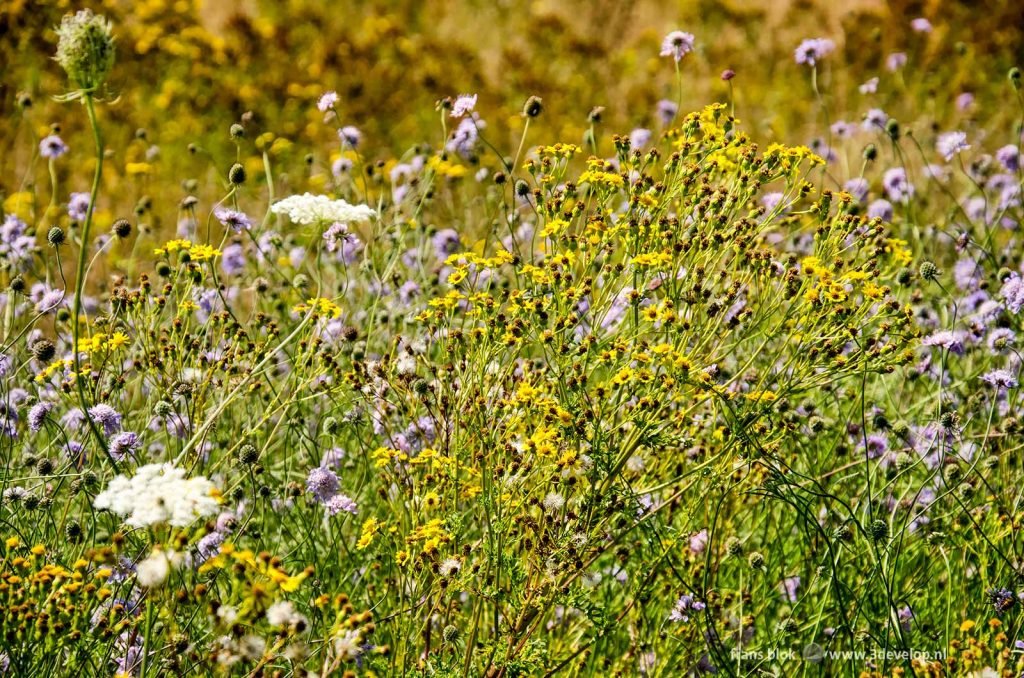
(85,49)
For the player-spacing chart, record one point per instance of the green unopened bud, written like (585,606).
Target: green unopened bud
(56,236)
(85,48)
(236,175)
(1014,76)
(533,107)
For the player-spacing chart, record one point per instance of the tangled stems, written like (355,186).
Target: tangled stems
(90,108)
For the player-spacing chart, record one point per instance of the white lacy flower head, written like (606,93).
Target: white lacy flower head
(312,209)
(156,494)
(153,571)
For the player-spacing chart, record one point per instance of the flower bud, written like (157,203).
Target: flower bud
(85,48)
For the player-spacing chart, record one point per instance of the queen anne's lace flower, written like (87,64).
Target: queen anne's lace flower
(311,209)
(158,493)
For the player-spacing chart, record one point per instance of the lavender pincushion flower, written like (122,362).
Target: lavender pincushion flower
(1000,379)
(897,186)
(812,50)
(327,101)
(950,144)
(37,415)
(322,483)
(464,105)
(683,607)
(52,147)
(107,417)
(124,444)
(339,503)
(677,44)
(233,219)
(1012,292)
(78,206)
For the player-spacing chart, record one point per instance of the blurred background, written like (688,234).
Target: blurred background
(188,69)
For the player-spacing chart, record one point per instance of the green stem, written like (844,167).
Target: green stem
(83,252)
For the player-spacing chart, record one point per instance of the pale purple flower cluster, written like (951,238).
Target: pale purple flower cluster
(810,51)
(324,485)
(677,44)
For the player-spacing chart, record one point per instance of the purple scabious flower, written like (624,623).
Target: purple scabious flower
(897,187)
(950,144)
(341,166)
(921,25)
(1000,379)
(699,542)
(37,415)
(858,188)
(326,101)
(233,260)
(78,206)
(1012,292)
(790,586)
(875,445)
(464,105)
(350,136)
(639,138)
(1009,157)
(209,546)
(946,339)
(896,61)
(5,364)
(842,129)
(1001,338)
(686,604)
(124,444)
(967,274)
(811,50)
(52,147)
(964,101)
(445,242)
(233,219)
(107,417)
(408,291)
(677,44)
(339,503)
(15,246)
(667,111)
(49,301)
(880,209)
(874,120)
(322,483)
(464,138)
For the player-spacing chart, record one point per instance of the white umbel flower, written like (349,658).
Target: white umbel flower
(152,572)
(314,209)
(156,494)
(283,613)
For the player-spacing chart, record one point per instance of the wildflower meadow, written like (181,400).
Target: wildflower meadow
(511,339)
